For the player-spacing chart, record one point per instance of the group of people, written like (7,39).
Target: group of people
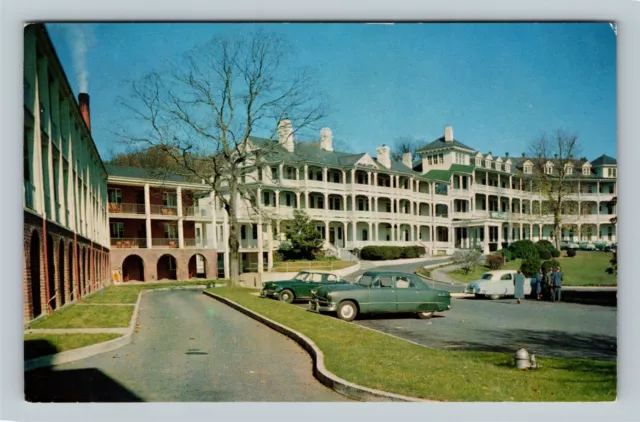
(548,286)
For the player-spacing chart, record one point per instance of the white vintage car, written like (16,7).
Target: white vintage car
(496,284)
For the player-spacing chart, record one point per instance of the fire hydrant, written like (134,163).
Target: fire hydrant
(523,361)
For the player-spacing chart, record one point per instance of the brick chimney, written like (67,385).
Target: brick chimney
(407,159)
(384,157)
(83,100)
(326,139)
(448,134)
(285,135)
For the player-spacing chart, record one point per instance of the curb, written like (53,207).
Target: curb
(462,295)
(323,375)
(95,349)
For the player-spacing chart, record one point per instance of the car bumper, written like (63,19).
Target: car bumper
(317,306)
(268,293)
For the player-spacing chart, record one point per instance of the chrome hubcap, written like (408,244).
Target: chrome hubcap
(347,311)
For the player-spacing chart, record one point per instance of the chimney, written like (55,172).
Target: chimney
(83,100)
(326,139)
(448,134)
(285,135)
(407,160)
(383,153)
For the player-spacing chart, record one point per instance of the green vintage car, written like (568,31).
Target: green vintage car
(381,292)
(300,286)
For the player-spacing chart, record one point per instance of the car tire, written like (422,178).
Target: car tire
(494,297)
(286,296)
(425,315)
(347,310)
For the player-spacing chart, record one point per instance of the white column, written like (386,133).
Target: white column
(353,231)
(270,246)
(486,239)
(298,200)
(260,257)
(180,218)
(225,238)
(212,201)
(147,211)
(278,202)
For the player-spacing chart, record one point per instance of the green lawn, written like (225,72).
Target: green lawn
(36,345)
(129,293)
(295,266)
(379,361)
(81,316)
(585,269)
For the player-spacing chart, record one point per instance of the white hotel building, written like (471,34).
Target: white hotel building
(453,197)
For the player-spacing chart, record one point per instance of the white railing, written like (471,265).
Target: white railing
(157,242)
(125,208)
(164,210)
(127,243)
(193,211)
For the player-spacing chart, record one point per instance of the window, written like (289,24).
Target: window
(548,169)
(115,196)
(320,202)
(336,177)
(404,282)
(266,196)
(117,230)
(274,173)
(291,173)
(364,280)
(243,232)
(440,159)
(528,169)
(568,169)
(586,171)
(429,160)
(287,199)
(170,199)
(170,231)
(385,281)
(254,229)
(365,235)
(506,277)
(332,278)
(314,278)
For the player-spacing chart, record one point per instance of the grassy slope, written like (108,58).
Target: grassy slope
(36,345)
(585,269)
(80,316)
(379,361)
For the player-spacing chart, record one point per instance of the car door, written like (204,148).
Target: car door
(506,284)
(382,295)
(311,283)
(407,294)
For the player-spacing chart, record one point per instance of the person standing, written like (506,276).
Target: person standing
(518,289)
(548,283)
(556,289)
(539,281)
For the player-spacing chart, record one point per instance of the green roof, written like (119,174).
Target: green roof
(604,160)
(441,143)
(461,168)
(439,175)
(142,173)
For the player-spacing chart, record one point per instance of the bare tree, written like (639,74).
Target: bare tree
(404,144)
(204,113)
(552,156)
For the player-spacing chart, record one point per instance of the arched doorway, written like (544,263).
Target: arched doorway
(167,268)
(198,266)
(62,280)
(51,271)
(34,264)
(72,273)
(132,269)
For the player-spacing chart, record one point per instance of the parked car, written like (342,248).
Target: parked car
(587,246)
(300,286)
(381,292)
(496,284)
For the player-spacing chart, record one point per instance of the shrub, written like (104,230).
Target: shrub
(544,254)
(495,261)
(467,259)
(508,255)
(523,249)
(547,265)
(380,253)
(571,253)
(555,253)
(530,267)
(545,245)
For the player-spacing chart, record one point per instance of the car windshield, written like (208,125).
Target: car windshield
(364,280)
(301,276)
(486,276)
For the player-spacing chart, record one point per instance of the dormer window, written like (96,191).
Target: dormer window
(527,167)
(478,162)
(586,170)
(568,169)
(499,164)
(548,168)
(507,168)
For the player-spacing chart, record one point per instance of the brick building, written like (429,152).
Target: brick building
(66,238)
(158,229)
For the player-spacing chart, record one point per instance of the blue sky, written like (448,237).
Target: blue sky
(499,85)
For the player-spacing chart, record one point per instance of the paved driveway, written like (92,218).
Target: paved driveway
(189,348)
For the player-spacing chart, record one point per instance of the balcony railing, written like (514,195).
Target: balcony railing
(128,243)
(164,243)
(115,208)
(164,210)
(192,243)
(192,211)
(29,194)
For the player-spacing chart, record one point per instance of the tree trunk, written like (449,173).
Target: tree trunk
(234,244)
(557,229)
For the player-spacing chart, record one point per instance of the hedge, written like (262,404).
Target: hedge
(382,253)
(508,255)
(524,249)
(571,253)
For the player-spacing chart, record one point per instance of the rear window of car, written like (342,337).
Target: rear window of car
(486,276)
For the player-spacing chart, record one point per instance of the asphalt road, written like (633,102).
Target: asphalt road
(545,328)
(189,348)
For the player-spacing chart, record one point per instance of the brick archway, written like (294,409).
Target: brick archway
(133,268)
(198,266)
(62,275)
(34,270)
(167,267)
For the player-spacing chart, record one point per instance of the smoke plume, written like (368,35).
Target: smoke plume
(80,38)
